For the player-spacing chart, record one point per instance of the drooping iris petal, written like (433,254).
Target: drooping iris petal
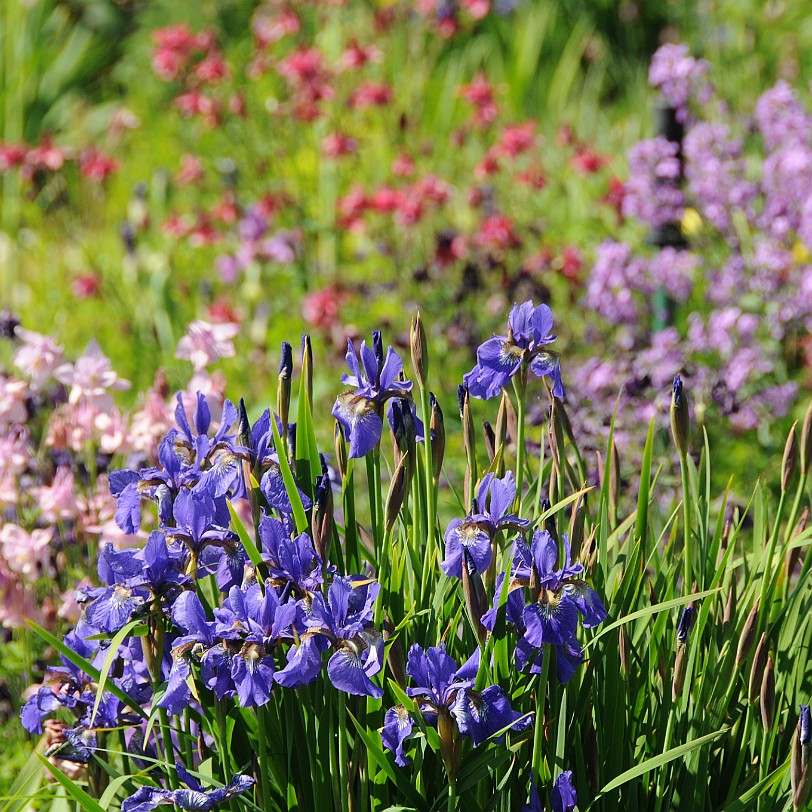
(588,603)
(465,536)
(360,421)
(397,727)
(546,364)
(563,795)
(176,696)
(113,608)
(550,620)
(483,714)
(145,799)
(347,673)
(253,674)
(568,657)
(304,664)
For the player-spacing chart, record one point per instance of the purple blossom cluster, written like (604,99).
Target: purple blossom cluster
(747,202)
(680,78)
(653,194)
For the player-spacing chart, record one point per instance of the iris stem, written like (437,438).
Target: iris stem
(263,756)
(431,506)
(686,513)
(520,389)
(539,768)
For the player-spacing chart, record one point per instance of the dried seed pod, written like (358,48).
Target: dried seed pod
(790,459)
(419,349)
(806,442)
(767,696)
(757,669)
(437,427)
(747,636)
(397,491)
(729,610)
(341,450)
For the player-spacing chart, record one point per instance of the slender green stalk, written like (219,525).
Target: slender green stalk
(686,519)
(430,486)
(520,390)
(264,778)
(539,765)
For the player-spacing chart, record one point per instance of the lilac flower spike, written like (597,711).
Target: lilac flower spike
(501,357)
(359,410)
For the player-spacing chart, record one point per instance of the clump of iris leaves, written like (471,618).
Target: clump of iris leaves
(301,631)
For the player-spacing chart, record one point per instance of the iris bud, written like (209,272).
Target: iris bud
(437,428)
(680,418)
(747,636)
(420,352)
(283,384)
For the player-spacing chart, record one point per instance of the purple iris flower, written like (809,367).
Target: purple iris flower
(159,484)
(359,410)
(193,799)
(475,534)
(551,616)
(534,803)
(133,578)
(397,727)
(343,622)
(563,795)
(443,689)
(482,714)
(293,564)
(501,357)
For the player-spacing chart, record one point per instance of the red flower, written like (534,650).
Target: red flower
(12,155)
(269,27)
(355,56)
(480,94)
(337,145)
(371,94)
(496,233)
(403,165)
(533,176)
(321,307)
(86,285)
(516,139)
(96,166)
(587,161)
(211,69)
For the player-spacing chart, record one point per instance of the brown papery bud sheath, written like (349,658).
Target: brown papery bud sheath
(747,636)
(806,441)
(420,351)
(767,696)
(790,459)
(437,427)
(757,669)
(397,492)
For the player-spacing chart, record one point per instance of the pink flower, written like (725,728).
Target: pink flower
(16,602)
(321,307)
(150,424)
(25,553)
(356,56)
(371,94)
(480,94)
(191,170)
(91,378)
(337,145)
(13,394)
(59,500)
(96,166)
(205,343)
(37,357)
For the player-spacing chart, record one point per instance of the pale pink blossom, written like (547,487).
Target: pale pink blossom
(9,492)
(205,343)
(69,610)
(37,357)
(91,378)
(149,425)
(25,552)
(58,501)
(13,394)
(15,452)
(212,386)
(16,602)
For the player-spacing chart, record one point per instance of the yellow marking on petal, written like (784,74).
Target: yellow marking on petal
(800,253)
(691,222)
